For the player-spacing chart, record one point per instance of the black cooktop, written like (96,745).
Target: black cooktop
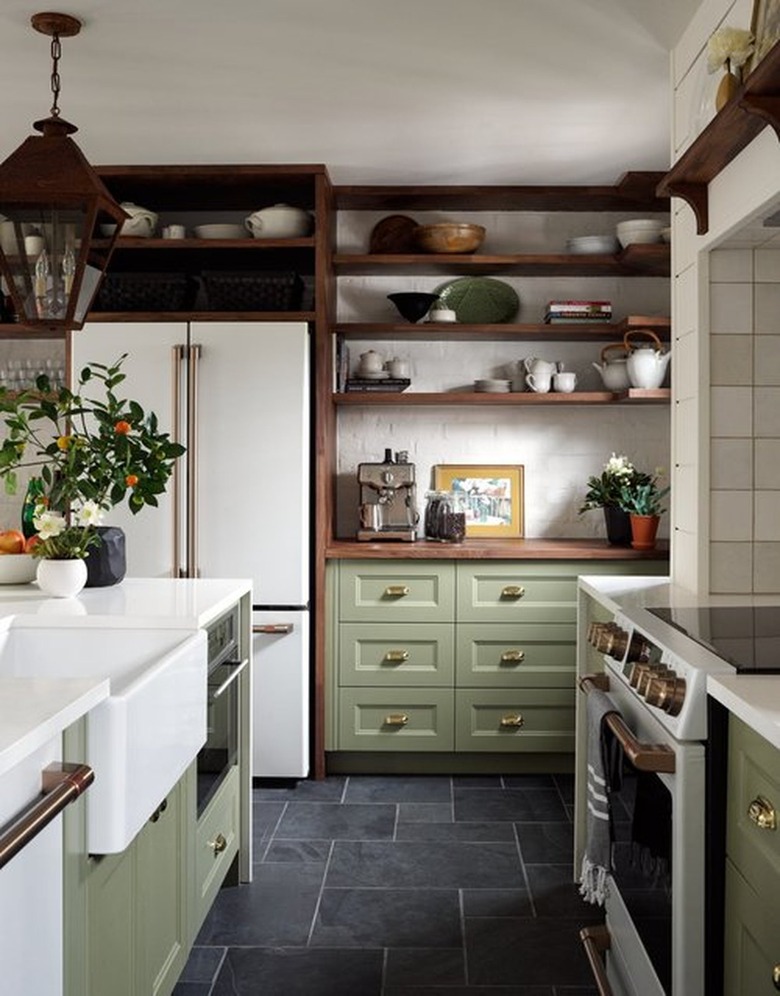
(746,636)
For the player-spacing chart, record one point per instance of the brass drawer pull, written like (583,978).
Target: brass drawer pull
(512,656)
(396,719)
(513,719)
(776,976)
(397,590)
(397,656)
(512,591)
(218,845)
(762,813)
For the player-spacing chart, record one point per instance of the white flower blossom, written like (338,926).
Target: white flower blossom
(728,45)
(49,524)
(619,466)
(90,514)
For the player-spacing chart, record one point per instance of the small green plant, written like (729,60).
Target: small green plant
(606,489)
(644,498)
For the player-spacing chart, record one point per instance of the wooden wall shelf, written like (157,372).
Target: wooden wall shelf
(755,105)
(454,331)
(512,399)
(202,316)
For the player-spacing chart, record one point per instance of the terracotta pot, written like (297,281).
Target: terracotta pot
(618,526)
(643,530)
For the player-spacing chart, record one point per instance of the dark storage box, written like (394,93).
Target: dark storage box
(278,291)
(146,292)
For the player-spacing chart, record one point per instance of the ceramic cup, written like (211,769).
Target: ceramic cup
(8,237)
(540,383)
(564,381)
(33,245)
(397,367)
(174,232)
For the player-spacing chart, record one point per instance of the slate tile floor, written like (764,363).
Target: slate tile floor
(402,886)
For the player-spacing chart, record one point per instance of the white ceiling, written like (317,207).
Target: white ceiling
(382,91)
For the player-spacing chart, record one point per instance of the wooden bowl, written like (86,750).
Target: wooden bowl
(449,237)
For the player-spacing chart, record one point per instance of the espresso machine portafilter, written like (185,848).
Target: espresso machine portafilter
(388,507)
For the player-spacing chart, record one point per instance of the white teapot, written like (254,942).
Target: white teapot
(141,222)
(280,221)
(646,365)
(614,371)
(539,368)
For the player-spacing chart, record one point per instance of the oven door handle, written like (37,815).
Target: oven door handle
(236,668)
(596,941)
(644,757)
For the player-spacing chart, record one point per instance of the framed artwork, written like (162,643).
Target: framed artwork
(491,496)
(765,25)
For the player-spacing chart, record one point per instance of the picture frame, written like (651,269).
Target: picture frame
(491,495)
(765,26)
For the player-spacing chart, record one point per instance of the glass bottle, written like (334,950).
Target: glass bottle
(32,497)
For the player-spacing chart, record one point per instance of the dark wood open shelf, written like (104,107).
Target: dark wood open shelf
(455,331)
(513,398)
(130,244)
(201,316)
(755,105)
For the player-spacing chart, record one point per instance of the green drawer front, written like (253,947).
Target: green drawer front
(754,781)
(396,719)
(752,938)
(515,593)
(396,654)
(528,655)
(219,823)
(383,591)
(486,719)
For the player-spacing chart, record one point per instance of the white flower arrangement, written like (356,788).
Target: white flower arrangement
(729,47)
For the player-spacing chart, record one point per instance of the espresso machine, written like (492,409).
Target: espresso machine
(388,507)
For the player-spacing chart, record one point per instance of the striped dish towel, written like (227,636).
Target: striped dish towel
(596,860)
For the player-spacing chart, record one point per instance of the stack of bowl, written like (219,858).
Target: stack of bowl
(639,230)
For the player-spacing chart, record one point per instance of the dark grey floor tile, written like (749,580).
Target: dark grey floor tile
(308,972)
(399,788)
(425,967)
(540,950)
(468,991)
(478,781)
(455,831)
(366,918)
(516,804)
(565,785)
(576,991)
(298,851)
(425,812)
(529,781)
(192,989)
(329,789)
(496,902)
(546,843)
(265,816)
(202,964)
(277,909)
(422,864)
(332,821)
(554,893)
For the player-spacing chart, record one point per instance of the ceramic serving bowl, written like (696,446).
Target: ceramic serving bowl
(639,230)
(449,237)
(413,305)
(17,568)
(221,231)
(597,244)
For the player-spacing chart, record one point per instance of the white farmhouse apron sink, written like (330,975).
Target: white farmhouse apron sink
(143,737)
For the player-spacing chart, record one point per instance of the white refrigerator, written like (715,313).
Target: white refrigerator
(236,394)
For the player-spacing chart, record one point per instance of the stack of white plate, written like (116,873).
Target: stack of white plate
(593,244)
(492,386)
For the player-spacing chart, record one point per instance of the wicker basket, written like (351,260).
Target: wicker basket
(277,291)
(146,292)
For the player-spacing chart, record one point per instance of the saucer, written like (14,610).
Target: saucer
(374,374)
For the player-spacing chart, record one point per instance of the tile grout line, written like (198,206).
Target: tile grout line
(316,910)
(524,870)
(462,904)
(272,834)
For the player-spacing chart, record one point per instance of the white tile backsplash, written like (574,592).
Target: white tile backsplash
(767,411)
(731,464)
(731,360)
(766,568)
(731,266)
(731,568)
(767,463)
(767,516)
(767,265)
(731,309)
(731,516)
(731,411)
(767,309)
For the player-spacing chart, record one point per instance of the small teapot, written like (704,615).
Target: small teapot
(646,365)
(539,368)
(371,362)
(613,371)
(280,221)
(141,222)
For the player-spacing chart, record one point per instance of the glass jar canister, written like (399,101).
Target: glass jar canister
(445,520)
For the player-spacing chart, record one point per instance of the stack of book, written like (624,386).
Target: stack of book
(568,312)
(385,384)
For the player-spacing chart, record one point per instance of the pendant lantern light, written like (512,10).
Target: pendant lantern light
(59,222)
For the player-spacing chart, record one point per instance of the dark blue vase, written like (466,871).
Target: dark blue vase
(618,526)
(106,564)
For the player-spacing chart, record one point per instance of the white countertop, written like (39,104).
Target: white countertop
(755,699)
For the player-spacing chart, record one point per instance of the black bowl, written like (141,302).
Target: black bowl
(413,305)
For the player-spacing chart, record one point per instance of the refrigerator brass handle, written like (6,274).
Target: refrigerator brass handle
(397,656)
(762,813)
(177,356)
(273,628)
(396,719)
(512,591)
(512,720)
(596,941)
(193,567)
(513,656)
(397,590)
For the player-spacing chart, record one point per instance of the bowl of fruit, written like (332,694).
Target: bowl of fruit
(17,564)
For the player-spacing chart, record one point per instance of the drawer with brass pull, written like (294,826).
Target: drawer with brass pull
(495,719)
(384,591)
(530,655)
(216,840)
(396,654)
(396,719)
(510,592)
(752,938)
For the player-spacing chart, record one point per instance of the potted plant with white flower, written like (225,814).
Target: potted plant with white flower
(606,491)
(89,454)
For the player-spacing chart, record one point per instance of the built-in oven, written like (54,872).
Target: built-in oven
(219,754)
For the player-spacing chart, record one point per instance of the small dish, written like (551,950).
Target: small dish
(373,375)
(220,231)
(492,386)
(597,244)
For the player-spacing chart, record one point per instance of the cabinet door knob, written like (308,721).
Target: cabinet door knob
(513,719)
(513,656)
(396,590)
(218,845)
(512,591)
(397,656)
(762,813)
(776,976)
(396,719)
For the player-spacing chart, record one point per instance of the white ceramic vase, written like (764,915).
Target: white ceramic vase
(61,578)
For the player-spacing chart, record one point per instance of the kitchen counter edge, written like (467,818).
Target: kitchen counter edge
(492,549)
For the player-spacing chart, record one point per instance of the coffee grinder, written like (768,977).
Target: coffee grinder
(388,508)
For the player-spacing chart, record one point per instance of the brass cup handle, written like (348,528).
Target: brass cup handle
(218,845)
(397,656)
(512,656)
(512,720)
(397,590)
(776,976)
(396,719)
(762,813)
(512,591)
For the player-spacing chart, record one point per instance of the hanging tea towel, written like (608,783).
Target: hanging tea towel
(598,843)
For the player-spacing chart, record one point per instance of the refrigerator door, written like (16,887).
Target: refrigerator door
(280,646)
